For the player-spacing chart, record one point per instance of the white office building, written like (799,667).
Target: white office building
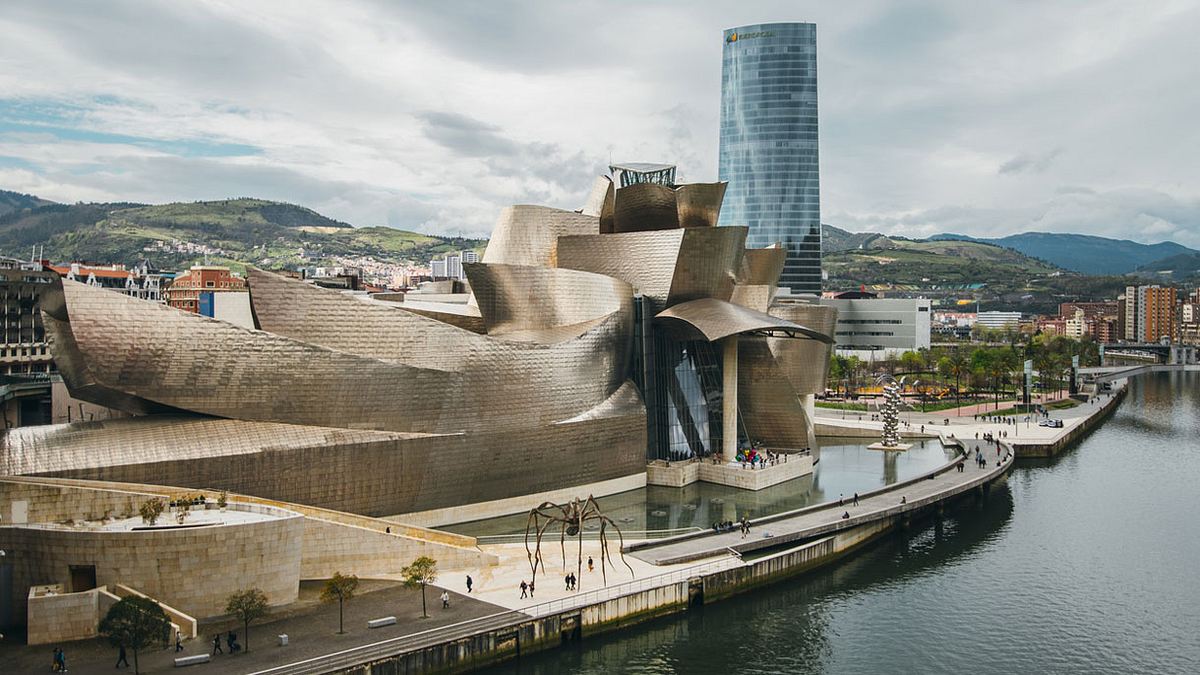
(880,327)
(998,320)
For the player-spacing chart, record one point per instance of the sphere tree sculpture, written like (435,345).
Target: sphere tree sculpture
(889,412)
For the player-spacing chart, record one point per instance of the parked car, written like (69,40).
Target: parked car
(1053,424)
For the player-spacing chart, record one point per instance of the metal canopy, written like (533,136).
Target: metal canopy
(716,319)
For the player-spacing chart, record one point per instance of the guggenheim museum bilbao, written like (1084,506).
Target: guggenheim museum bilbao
(631,330)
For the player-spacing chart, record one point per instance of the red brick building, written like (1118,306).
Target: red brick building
(184,292)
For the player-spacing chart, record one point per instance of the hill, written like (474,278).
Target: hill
(1081,252)
(266,233)
(835,239)
(958,270)
(933,264)
(16,201)
(1176,268)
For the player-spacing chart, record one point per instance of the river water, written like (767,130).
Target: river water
(1087,563)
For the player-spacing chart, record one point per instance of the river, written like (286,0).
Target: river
(1086,563)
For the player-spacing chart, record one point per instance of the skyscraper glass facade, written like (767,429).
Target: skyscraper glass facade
(768,147)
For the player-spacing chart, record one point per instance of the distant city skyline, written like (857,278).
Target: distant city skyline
(935,117)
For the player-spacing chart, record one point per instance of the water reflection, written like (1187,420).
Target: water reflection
(789,627)
(846,467)
(1082,563)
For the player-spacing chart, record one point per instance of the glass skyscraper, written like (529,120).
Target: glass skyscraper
(768,149)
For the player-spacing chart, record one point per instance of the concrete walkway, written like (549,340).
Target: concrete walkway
(827,518)
(311,628)
(1018,431)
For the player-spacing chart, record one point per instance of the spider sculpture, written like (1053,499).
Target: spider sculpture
(570,518)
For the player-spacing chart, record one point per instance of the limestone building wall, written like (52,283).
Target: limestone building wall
(334,547)
(62,616)
(193,569)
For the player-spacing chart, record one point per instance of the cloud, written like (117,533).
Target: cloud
(1138,214)
(935,115)
(1029,163)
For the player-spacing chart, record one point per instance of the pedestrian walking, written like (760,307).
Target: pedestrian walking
(469,583)
(591,568)
(217,645)
(121,660)
(531,589)
(231,641)
(178,642)
(524,589)
(574,581)
(567,581)
(856,499)
(60,660)
(445,599)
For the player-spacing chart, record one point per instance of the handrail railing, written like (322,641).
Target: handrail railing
(519,537)
(397,645)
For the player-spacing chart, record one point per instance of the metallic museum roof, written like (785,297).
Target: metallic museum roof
(633,173)
(544,383)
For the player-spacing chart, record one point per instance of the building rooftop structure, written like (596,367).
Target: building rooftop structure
(634,173)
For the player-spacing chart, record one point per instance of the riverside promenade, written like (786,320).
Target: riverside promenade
(1021,432)
(893,501)
(668,575)
(674,574)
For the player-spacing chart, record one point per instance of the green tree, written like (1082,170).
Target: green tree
(837,370)
(135,622)
(959,366)
(341,588)
(422,572)
(1043,363)
(247,605)
(151,509)
(912,362)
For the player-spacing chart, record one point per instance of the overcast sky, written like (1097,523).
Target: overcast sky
(979,118)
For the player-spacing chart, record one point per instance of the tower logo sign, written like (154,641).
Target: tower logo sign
(734,37)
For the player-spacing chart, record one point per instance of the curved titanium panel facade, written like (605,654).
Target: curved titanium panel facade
(539,383)
(716,319)
(191,362)
(768,143)
(699,204)
(367,472)
(666,266)
(521,298)
(762,266)
(526,235)
(805,362)
(595,199)
(643,207)
(770,408)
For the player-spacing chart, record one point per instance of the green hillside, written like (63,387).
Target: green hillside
(271,234)
(16,201)
(933,263)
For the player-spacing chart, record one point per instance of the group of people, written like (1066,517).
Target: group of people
(743,525)
(842,500)
(764,459)
(59,664)
(230,641)
(993,438)
(982,462)
(571,581)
